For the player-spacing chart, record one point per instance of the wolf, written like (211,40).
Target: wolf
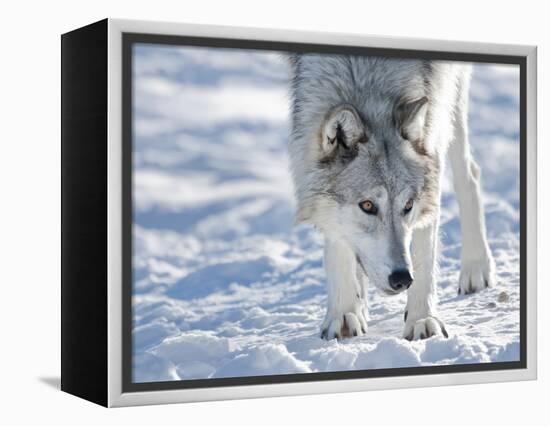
(369,139)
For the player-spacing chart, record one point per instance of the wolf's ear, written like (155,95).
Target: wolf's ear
(343,127)
(410,118)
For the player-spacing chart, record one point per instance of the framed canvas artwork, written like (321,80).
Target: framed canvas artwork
(252,213)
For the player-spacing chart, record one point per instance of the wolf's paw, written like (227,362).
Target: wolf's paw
(350,324)
(476,275)
(424,328)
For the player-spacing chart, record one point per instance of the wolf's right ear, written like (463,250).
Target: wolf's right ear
(343,127)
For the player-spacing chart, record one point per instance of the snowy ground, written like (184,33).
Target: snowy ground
(224,285)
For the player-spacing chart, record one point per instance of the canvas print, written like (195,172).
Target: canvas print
(298,213)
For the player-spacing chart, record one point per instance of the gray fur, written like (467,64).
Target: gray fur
(394,152)
(375,87)
(369,138)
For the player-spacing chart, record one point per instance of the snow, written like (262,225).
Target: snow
(225,285)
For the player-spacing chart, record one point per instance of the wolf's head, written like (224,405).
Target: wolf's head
(362,169)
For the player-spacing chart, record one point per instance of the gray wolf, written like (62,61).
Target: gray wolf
(369,140)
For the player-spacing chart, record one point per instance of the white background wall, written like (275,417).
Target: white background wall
(30,200)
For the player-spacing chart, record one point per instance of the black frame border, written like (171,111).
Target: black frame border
(129,39)
(84,185)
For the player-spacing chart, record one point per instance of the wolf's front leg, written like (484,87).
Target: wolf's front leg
(346,309)
(421,319)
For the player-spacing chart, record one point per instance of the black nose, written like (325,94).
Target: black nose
(400,279)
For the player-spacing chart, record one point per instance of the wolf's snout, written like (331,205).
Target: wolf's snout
(400,280)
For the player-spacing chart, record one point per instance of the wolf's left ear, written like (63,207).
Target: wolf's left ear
(410,118)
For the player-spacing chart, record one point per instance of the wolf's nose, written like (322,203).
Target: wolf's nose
(400,279)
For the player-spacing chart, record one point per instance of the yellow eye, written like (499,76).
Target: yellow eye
(408,206)
(368,207)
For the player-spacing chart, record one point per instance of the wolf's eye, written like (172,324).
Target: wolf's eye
(408,206)
(368,207)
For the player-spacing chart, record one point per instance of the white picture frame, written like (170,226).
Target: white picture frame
(111,387)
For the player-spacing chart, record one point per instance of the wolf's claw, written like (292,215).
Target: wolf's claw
(351,324)
(476,275)
(424,328)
